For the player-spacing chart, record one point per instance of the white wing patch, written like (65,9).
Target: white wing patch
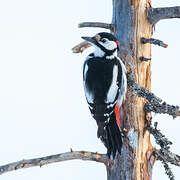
(113,89)
(123,89)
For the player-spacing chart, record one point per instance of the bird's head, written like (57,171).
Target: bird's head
(105,44)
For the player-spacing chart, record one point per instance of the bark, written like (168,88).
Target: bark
(136,160)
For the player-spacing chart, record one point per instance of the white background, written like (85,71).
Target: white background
(43,110)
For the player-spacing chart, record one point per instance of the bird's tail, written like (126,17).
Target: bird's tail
(110,135)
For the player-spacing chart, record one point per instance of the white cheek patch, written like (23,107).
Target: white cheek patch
(110,45)
(98,52)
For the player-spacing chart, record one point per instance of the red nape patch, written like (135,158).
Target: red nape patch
(117,43)
(117,115)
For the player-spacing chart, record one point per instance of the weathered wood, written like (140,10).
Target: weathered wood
(98,25)
(136,160)
(83,155)
(157,14)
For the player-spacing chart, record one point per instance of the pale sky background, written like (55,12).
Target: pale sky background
(43,110)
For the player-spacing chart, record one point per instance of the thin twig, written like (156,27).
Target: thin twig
(154,41)
(83,155)
(111,27)
(157,14)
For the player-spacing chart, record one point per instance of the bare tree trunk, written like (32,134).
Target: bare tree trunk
(136,160)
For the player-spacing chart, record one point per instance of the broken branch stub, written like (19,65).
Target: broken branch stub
(154,41)
(81,47)
(111,27)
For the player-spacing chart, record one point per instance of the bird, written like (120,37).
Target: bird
(105,86)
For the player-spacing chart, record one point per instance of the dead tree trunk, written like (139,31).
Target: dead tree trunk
(130,20)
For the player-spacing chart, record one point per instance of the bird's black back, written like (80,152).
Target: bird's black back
(98,77)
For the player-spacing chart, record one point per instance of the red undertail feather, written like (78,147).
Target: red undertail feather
(117,115)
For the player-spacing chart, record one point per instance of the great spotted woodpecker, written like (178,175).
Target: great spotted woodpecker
(105,84)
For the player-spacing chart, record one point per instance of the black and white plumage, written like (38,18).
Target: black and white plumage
(105,84)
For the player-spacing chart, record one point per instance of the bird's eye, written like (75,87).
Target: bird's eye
(103,40)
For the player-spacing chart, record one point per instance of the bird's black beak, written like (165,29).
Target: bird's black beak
(89,39)
(93,40)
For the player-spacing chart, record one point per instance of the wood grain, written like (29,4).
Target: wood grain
(130,19)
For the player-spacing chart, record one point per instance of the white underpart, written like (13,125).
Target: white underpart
(113,89)
(123,89)
(89,95)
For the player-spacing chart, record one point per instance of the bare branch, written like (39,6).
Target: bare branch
(168,156)
(157,14)
(168,170)
(163,108)
(164,154)
(161,140)
(154,104)
(83,155)
(141,91)
(81,47)
(154,41)
(111,27)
